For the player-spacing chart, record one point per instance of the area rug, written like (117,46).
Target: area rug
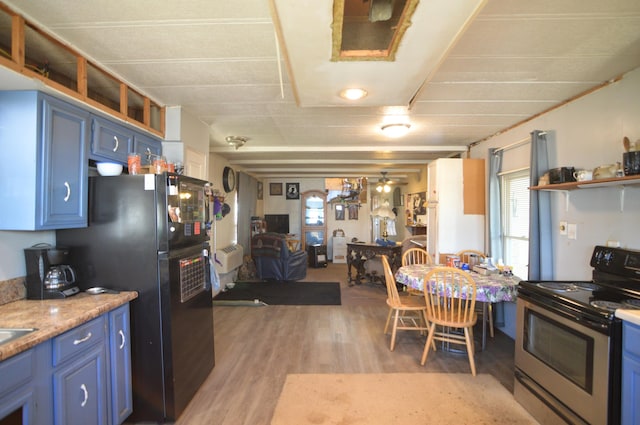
(397,398)
(280,293)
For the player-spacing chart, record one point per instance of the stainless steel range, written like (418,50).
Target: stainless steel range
(569,342)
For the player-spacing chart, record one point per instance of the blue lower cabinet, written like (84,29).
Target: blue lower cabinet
(82,376)
(631,374)
(80,390)
(17,389)
(120,362)
(79,373)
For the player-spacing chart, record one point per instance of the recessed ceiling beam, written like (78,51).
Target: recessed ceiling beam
(360,171)
(386,148)
(420,161)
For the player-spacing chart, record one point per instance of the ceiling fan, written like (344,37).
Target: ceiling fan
(384,183)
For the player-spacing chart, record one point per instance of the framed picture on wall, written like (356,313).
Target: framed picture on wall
(416,208)
(275,189)
(353,212)
(293,191)
(339,212)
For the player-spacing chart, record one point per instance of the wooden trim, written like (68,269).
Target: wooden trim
(163,117)
(124,99)
(146,112)
(17,39)
(82,77)
(18,60)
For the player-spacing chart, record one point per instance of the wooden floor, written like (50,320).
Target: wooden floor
(256,347)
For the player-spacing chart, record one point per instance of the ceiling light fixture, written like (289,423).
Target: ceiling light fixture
(383,183)
(395,130)
(353,94)
(236,141)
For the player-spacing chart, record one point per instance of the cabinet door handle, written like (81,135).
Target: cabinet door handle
(117,143)
(123,339)
(68,187)
(81,340)
(83,387)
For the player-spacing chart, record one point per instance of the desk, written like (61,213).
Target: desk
(492,288)
(359,253)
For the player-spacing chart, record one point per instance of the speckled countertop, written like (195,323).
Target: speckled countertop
(631,316)
(54,317)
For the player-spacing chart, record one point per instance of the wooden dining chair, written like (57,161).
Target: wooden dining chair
(450,296)
(466,257)
(408,312)
(467,254)
(416,256)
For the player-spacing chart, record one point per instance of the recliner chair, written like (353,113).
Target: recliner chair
(274,260)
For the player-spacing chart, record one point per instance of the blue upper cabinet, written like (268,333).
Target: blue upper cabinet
(110,142)
(147,147)
(44,171)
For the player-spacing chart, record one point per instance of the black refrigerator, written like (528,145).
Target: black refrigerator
(148,233)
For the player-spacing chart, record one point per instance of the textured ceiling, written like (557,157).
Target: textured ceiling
(475,69)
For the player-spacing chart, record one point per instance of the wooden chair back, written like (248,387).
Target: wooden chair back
(467,254)
(393,298)
(450,295)
(416,256)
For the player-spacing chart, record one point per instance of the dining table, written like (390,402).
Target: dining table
(490,288)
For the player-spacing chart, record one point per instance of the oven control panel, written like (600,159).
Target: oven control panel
(616,261)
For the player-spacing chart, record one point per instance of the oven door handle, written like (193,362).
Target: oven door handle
(592,324)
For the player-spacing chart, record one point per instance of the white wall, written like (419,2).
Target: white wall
(280,205)
(361,228)
(12,244)
(585,133)
(225,229)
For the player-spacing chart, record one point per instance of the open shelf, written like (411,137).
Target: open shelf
(28,50)
(565,188)
(588,184)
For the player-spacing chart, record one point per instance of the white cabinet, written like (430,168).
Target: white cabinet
(455,206)
(339,249)
(314,213)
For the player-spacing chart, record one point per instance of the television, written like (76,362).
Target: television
(278,223)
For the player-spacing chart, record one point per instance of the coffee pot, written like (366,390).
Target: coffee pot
(59,276)
(48,275)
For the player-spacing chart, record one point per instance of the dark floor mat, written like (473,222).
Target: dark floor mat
(281,293)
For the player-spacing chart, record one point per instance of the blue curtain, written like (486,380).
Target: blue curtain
(495,222)
(495,218)
(540,227)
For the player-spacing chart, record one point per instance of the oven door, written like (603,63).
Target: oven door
(564,363)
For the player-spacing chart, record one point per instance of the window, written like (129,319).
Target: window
(515,221)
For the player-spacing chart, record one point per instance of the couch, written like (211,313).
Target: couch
(274,260)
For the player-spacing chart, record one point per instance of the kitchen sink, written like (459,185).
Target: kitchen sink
(9,334)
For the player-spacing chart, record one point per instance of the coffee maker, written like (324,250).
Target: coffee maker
(48,275)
